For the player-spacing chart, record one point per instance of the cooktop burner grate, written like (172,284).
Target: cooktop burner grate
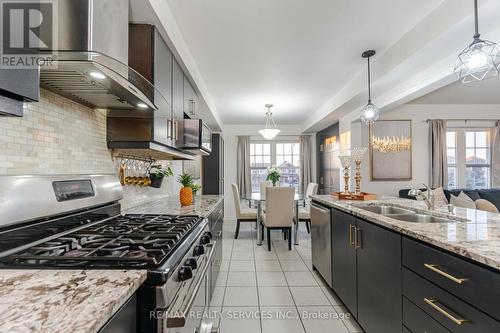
(124,241)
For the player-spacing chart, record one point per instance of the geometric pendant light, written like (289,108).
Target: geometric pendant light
(370,113)
(270,131)
(480,60)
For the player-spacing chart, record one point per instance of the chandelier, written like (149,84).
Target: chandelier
(393,144)
(370,113)
(270,131)
(479,60)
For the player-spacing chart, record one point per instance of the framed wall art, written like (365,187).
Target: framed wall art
(391,150)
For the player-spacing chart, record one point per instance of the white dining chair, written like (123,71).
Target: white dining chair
(305,212)
(243,214)
(263,186)
(279,212)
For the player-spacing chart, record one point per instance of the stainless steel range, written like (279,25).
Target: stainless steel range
(74,222)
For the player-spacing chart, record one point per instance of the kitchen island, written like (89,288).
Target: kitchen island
(393,275)
(60,301)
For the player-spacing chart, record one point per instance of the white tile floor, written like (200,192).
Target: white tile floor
(275,292)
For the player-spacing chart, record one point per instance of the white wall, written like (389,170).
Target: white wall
(230,134)
(418,113)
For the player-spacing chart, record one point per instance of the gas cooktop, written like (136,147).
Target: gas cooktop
(125,241)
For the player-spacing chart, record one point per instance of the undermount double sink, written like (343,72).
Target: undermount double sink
(406,215)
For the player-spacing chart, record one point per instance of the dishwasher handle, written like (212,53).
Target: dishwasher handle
(320,208)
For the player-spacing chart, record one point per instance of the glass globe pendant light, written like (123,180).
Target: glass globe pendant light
(270,131)
(479,60)
(370,113)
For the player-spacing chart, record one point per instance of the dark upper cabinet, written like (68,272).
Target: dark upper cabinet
(378,278)
(177,103)
(190,98)
(344,259)
(177,89)
(213,167)
(150,56)
(17,86)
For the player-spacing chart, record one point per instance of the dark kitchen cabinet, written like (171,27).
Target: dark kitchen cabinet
(190,98)
(328,164)
(150,56)
(16,87)
(344,259)
(367,272)
(216,220)
(378,278)
(177,103)
(213,167)
(445,308)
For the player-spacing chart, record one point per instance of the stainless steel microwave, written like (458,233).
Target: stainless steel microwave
(197,137)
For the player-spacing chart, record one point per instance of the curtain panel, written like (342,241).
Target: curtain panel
(243,166)
(495,156)
(438,158)
(305,162)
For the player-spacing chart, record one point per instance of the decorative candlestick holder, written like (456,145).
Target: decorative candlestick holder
(346,161)
(357,156)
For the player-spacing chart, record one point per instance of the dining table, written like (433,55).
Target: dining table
(259,199)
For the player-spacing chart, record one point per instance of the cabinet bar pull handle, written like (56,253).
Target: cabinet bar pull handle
(350,235)
(358,240)
(432,302)
(435,269)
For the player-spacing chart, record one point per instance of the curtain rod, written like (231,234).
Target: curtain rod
(458,119)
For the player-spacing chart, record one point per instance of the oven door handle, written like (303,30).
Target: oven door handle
(178,319)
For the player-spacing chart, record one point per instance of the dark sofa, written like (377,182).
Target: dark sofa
(492,194)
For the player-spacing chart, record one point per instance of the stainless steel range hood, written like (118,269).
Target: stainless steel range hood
(92,56)
(91,68)
(97,81)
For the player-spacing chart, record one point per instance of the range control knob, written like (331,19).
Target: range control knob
(198,250)
(191,262)
(205,239)
(208,233)
(185,273)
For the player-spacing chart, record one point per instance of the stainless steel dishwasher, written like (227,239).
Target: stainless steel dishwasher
(321,241)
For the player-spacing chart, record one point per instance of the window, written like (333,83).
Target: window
(451,145)
(477,159)
(287,160)
(469,158)
(284,155)
(260,160)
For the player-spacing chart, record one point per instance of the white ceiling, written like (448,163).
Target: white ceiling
(293,53)
(482,92)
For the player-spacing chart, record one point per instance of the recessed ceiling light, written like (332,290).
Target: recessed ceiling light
(142,105)
(97,75)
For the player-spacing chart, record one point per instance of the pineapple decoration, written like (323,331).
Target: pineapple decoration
(186,192)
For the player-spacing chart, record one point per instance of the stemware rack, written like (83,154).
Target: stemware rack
(135,170)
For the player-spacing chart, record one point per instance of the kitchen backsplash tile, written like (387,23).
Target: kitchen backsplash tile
(59,136)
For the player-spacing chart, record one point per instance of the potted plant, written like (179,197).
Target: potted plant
(273,175)
(186,192)
(157,173)
(195,188)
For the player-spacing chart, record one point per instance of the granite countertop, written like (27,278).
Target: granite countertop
(202,206)
(60,301)
(474,235)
